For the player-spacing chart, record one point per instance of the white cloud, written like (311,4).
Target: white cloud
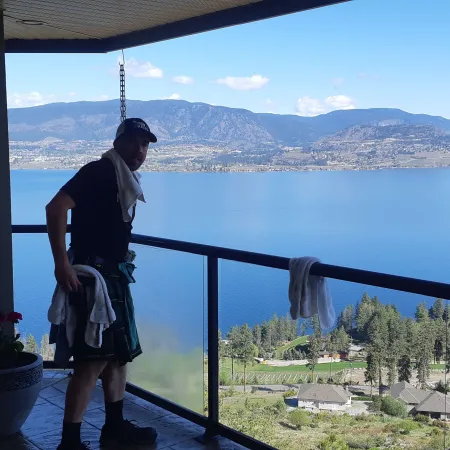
(268,102)
(17,100)
(141,69)
(307,106)
(72,94)
(182,79)
(174,97)
(244,83)
(340,102)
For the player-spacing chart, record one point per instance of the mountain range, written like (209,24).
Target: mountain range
(273,137)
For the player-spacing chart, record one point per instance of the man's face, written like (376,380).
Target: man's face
(133,150)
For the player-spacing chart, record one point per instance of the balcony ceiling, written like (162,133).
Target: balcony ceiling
(106,25)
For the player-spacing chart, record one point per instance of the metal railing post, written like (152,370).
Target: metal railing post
(6,257)
(213,346)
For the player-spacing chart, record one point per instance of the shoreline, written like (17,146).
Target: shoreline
(249,170)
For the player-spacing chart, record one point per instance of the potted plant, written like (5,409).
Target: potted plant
(20,378)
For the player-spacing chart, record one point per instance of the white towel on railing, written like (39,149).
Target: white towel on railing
(309,294)
(128,183)
(101,313)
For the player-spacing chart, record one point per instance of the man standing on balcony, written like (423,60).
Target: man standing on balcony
(102,197)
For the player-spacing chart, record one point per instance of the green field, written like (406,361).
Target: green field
(301,340)
(335,367)
(437,366)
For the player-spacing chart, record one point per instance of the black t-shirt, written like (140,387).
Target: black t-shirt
(98,228)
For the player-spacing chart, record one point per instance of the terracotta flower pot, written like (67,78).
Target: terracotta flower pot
(19,390)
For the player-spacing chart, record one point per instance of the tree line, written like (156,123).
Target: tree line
(394,344)
(46,350)
(398,344)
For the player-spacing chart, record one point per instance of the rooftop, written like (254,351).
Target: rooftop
(434,403)
(323,392)
(408,393)
(42,430)
(108,25)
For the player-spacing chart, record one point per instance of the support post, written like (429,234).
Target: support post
(213,348)
(6,262)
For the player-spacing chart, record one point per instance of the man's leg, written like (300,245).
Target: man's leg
(116,428)
(114,380)
(78,395)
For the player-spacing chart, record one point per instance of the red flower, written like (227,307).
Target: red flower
(14,317)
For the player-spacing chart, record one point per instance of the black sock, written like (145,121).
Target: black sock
(71,433)
(114,412)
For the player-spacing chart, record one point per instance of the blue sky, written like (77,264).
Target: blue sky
(363,54)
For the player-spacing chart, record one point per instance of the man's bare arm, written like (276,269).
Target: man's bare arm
(57,213)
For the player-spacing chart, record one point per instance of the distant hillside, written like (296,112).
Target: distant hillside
(176,121)
(196,136)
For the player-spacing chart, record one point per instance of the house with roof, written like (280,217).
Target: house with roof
(408,394)
(328,397)
(355,351)
(436,405)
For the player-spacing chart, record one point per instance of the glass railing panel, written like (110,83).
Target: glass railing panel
(34,285)
(378,380)
(169,306)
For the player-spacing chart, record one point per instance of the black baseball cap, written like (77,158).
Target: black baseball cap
(134,125)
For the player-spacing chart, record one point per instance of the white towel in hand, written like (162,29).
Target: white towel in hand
(101,313)
(309,294)
(130,190)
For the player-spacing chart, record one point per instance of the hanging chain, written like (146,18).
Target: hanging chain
(123,106)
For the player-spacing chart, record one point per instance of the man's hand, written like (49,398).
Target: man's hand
(66,277)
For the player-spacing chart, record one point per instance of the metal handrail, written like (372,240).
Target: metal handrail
(214,254)
(383,280)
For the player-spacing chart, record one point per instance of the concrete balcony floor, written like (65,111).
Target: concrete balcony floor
(42,430)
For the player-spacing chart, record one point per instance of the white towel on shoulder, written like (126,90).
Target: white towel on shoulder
(309,294)
(101,313)
(130,190)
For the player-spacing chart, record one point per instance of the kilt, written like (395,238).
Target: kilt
(120,342)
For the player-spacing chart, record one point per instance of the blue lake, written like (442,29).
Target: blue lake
(394,221)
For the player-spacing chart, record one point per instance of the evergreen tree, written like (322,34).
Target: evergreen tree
(291,326)
(233,337)
(266,337)
(422,314)
(396,340)
(366,309)
(437,310)
(31,344)
(303,327)
(243,349)
(257,337)
(331,347)
(424,347)
(371,372)
(315,345)
(405,361)
(439,339)
(446,315)
(346,318)
(222,346)
(378,334)
(315,325)
(404,368)
(277,331)
(46,350)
